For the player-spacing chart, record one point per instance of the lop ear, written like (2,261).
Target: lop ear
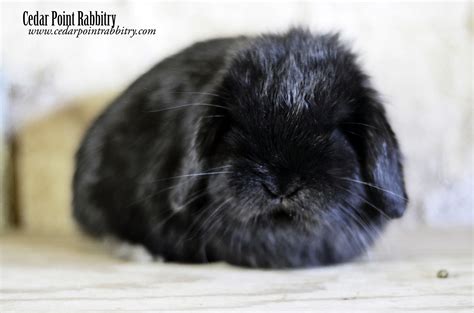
(207,128)
(211,126)
(379,155)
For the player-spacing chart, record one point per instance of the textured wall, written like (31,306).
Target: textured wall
(418,54)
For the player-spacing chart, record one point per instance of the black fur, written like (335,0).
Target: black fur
(271,151)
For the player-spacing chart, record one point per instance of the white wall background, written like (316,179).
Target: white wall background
(419,54)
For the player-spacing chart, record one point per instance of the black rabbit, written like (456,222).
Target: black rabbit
(270,151)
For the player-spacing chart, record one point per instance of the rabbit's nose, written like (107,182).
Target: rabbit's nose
(279,191)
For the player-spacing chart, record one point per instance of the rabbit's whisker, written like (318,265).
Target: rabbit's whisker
(189,175)
(197,93)
(372,185)
(366,201)
(188,105)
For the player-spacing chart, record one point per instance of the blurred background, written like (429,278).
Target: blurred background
(418,54)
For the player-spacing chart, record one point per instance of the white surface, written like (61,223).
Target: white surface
(47,274)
